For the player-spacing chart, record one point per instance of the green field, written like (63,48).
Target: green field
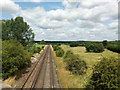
(39,45)
(69,80)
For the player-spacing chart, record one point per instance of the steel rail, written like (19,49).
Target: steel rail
(33,69)
(51,59)
(38,73)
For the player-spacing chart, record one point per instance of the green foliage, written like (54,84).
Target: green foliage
(14,57)
(56,47)
(74,44)
(59,50)
(33,49)
(17,29)
(42,47)
(104,43)
(114,47)
(74,64)
(68,54)
(42,42)
(105,75)
(94,47)
(60,53)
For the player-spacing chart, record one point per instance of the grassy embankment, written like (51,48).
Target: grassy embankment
(68,80)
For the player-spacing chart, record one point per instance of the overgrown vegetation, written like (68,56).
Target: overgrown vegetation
(105,75)
(94,47)
(104,43)
(14,57)
(17,40)
(59,50)
(114,47)
(35,48)
(74,64)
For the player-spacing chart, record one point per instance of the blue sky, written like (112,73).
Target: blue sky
(66,19)
(46,5)
(29,5)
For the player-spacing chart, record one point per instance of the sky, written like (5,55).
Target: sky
(66,20)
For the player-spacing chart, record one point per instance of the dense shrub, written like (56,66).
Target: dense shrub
(94,47)
(33,49)
(105,75)
(14,57)
(37,50)
(68,54)
(59,50)
(77,67)
(60,53)
(74,64)
(104,43)
(113,47)
(42,47)
(55,47)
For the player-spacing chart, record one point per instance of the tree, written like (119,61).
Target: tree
(17,29)
(94,47)
(42,42)
(104,43)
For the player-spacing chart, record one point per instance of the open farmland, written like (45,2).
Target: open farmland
(69,80)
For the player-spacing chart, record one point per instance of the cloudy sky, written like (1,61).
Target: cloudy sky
(66,19)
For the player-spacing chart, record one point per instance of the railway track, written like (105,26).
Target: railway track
(44,73)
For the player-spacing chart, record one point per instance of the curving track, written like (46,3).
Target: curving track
(44,73)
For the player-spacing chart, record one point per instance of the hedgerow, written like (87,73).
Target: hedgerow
(74,44)
(113,47)
(74,64)
(14,57)
(105,75)
(94,47)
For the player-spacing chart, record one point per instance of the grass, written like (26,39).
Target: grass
(68,80)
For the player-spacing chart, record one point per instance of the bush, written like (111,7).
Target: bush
(113,47)
(55,47)
(77,67)
(14,57)
(36,50)
(33,49)
(105,75)
(60,53)
(104,43)
(59,50)
(94,47)
(68,54)
(74,64)
(42,47)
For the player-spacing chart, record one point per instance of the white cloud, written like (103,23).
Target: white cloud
(113,25)
(83,20)
(9,6)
